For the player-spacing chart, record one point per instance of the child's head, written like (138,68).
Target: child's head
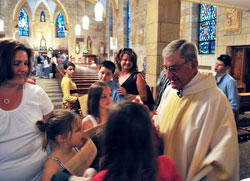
(106,71)
(129,127)
(69,68)
(128,138)
(99,97)
(62,127)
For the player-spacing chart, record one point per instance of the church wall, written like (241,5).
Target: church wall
(225,36)
(37,28)
(137,27)
(98,31)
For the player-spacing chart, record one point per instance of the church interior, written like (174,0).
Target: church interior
(87,32)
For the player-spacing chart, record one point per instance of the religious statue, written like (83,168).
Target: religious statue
(101,46)
(42,17)
(182,27)
(77,48)
(132,37)
(43,45)
(141,36)
(89,43)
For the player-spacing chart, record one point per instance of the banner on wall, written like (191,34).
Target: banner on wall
(113,43)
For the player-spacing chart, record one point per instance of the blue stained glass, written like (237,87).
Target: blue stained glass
(128,25)
(207,12)
(23,23)
(207,29)
(60,29)
(204,47)
(212,47)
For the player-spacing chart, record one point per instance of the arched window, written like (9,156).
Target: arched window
(128,22)
(111,27)
(42,17)
(23,23)
(60,30)
(207,29)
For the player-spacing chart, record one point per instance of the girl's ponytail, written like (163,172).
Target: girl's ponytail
(41,125)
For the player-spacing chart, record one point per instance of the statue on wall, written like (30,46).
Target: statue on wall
(89,43)
(43,45)
(182,27)
(132,37)
(77,48)
(101,48)
(42,17)
(141,36)
(120,41)
(232,20)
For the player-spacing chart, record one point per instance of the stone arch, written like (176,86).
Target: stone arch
(114,8)
(58,3)
(35,8)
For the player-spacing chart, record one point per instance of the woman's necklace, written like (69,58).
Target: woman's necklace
(6,101)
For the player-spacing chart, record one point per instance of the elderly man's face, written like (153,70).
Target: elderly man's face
(179,72)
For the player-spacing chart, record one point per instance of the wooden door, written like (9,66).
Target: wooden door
(238,66)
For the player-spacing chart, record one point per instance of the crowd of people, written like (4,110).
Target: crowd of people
(192,135)
(41,64)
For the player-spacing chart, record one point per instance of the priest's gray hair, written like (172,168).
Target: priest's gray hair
(187,50)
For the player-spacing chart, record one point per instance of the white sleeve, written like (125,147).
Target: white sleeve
(45,102)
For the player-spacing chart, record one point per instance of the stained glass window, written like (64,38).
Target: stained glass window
(60,30)
(23,23)
(207,29)
(110,28)
(128,25)
(42,17)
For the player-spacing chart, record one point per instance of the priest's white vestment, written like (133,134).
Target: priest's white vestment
(199,131)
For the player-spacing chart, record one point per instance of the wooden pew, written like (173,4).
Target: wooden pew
(244,104)
(82,90)
(244,101)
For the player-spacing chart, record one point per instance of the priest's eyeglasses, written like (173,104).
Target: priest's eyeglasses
(175,68)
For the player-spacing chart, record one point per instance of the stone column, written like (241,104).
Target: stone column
(163,26)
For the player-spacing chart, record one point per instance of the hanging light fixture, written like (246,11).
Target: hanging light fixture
(85,19)
(98,11)
(1,25)
(77,27)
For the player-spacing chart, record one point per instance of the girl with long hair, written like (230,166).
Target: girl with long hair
(99,102)
(129,148)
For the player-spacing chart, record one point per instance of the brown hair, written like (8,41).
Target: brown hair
(59,123)
(8,49)
(132,55)
(94,96)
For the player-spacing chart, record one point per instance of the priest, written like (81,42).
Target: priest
(195,119)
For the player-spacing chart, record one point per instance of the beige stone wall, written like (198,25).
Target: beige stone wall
(137,25)
(224,39)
